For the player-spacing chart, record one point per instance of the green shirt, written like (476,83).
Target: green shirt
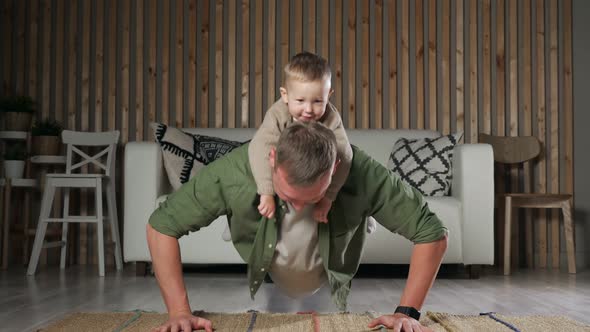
(227,187)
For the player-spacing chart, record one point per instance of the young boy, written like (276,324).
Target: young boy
(304,97)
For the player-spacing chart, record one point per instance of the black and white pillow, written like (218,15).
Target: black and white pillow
(425,164)
(184,153)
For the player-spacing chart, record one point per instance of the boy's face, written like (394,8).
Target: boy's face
(306,101)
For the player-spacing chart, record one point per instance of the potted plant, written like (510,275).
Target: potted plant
(46,137)
(17,112)
(14,160)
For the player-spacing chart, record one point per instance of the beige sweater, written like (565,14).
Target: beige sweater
(278,118)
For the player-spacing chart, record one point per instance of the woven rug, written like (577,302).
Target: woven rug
(281,322)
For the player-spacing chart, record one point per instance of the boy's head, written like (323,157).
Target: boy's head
(307,86)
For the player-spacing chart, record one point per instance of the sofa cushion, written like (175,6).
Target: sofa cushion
(425,163)
(184,153)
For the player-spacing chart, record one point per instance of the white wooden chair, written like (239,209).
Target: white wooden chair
(106,177)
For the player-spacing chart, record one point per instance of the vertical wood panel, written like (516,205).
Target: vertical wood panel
(419,10)
(337,66)
(151,31)
(125,89)
(365,65)
(486,75)
(59,51)
(179,69)
(351,64)
(554,111)
(192,63)
(245,60)
(7,26)
(459,65)
(473,73)
(568,98)
(99,56)
(19,65)
(378,106)
(311,24)
(218,63)
(325,29)
(138,107)
(46,61)
(204,58)
(32,56)
(284,47)
(500,74)
(445,68)
(405,64)
(297,24)
(165,54)
(272,61)
(392,8)
(432,102)
(258,67)
(112,70)
(231,70)
(541,166)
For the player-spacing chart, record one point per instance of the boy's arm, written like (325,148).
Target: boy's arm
(344,152)
(265,138)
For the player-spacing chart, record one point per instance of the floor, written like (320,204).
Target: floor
(27,303)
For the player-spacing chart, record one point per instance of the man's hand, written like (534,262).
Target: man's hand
(399,322)
(320,212)
(267,206)
(185,322)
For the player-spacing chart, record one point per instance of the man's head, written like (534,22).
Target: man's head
(303,162)
(307,86)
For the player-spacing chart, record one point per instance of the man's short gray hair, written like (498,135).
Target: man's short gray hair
(306,151)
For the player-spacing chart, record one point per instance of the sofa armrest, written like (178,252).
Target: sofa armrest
(473,185)
(145,181)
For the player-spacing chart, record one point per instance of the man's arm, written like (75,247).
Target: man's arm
(165,254)
(424,265)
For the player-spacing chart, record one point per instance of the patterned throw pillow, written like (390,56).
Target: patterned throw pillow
(425,164)
(184,153)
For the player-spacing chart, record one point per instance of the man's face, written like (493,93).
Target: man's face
(299,196)
(306,101)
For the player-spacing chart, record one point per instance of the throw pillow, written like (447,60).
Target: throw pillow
(425,164)
(184,153)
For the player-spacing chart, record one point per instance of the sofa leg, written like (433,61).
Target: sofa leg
(473,271)
(141,269)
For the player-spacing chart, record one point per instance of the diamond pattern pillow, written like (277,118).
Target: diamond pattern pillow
(184,153)
(425,164)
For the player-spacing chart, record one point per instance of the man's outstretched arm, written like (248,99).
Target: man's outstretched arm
(424,265)
(165,253)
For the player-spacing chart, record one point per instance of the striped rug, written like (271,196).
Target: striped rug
(310,321)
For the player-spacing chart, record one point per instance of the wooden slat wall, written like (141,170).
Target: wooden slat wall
(493,66)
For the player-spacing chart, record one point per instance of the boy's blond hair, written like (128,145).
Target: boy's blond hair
(307,67)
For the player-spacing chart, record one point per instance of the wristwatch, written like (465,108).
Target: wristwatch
(408,311)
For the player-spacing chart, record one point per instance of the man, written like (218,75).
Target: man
(300,254)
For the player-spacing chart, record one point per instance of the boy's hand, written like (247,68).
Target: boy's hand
(320,212)
(267,206)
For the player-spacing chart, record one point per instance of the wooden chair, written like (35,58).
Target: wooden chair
(517,150)
(69,180)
